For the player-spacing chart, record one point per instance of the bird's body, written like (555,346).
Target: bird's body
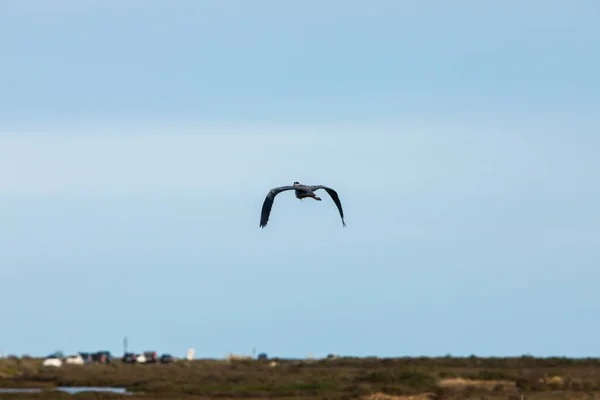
(301,192)
(304,191)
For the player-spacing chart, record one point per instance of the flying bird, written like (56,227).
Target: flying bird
(302,192)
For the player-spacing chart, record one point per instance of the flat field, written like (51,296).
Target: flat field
(341,378)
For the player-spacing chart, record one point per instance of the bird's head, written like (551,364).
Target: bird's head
(296,183)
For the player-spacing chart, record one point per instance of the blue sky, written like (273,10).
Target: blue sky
(138,140)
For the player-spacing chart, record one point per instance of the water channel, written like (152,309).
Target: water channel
(70,390)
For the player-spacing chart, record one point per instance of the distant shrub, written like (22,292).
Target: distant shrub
(492,376)
(574,384)
(588,385)
(447,374)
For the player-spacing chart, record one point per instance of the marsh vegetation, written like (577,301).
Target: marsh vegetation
(342,378)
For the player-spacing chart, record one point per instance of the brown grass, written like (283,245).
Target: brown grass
(462,383)
(383,396)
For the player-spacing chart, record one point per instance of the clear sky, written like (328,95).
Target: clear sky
(138,140)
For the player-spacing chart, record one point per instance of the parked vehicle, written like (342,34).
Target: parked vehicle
(129,358)
(57,359)
(102,357)
(151,357)
(74,359)
(87,357)
(166,358)
(52,361)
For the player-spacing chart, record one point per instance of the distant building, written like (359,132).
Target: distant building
(190,354)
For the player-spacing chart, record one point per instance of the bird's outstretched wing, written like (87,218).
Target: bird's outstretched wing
(268,203)
(334,197)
